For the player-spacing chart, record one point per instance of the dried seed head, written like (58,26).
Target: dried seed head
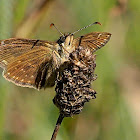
(74,82)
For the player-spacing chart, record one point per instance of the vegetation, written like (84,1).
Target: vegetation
(27,114)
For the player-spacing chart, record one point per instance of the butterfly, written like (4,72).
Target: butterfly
(35,63)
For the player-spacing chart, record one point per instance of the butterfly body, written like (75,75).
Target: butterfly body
(35,63)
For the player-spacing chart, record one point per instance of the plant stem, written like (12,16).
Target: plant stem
(59,121)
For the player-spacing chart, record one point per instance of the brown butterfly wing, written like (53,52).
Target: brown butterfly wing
(26,62)
(94,40)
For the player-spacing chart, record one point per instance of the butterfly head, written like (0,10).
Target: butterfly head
(65,41)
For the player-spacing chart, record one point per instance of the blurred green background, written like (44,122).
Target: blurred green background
(28,114)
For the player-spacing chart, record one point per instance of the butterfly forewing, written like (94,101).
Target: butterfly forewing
(22,61)
(94,40)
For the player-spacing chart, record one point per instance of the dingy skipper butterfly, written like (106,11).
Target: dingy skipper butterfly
(34,63)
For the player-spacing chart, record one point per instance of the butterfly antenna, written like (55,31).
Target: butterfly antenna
(86,27)
(52,24)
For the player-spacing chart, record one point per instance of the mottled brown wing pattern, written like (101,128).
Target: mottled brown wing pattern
(14,47)
(21,62)
(94,40)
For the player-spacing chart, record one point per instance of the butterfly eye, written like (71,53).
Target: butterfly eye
(67,41)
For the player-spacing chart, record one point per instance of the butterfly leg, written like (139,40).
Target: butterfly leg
(34,44)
